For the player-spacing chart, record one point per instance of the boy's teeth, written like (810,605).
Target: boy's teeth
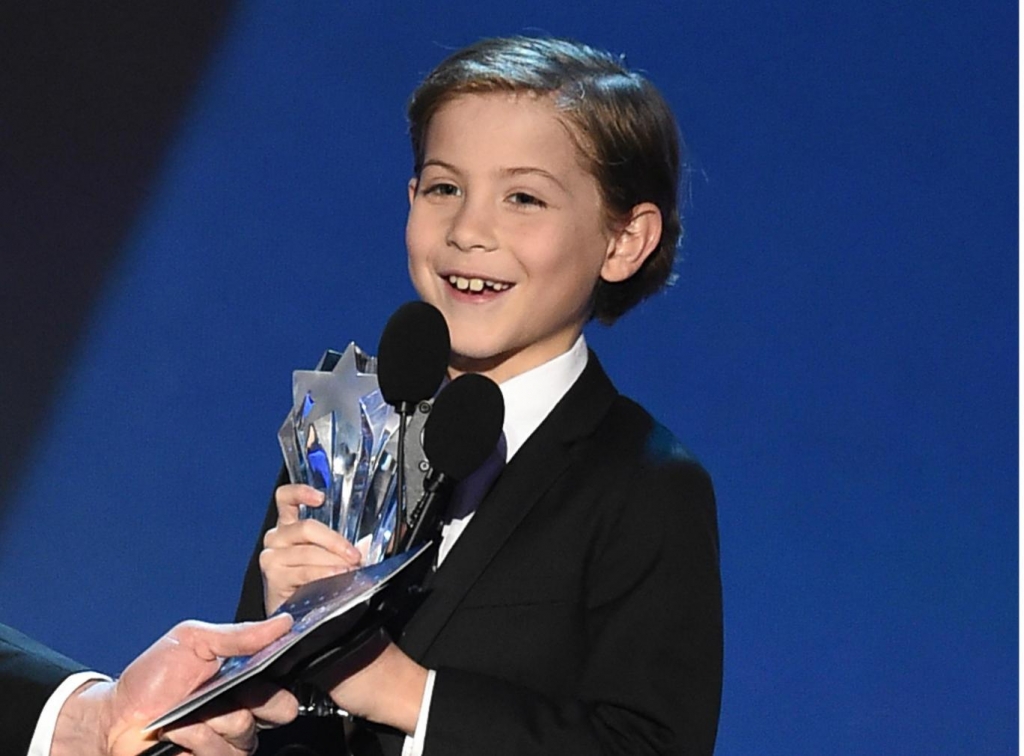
(475,284)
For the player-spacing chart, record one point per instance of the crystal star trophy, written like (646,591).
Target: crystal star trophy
(341,438)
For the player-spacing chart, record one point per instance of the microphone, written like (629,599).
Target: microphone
(460,433)
(412,356)
(412,360)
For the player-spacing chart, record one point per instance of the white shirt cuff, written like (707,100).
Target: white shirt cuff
(42,738)
(413,745)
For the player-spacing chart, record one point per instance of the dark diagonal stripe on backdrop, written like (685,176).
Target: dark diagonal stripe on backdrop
(91,95)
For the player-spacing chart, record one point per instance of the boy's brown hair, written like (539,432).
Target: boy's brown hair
(622,126)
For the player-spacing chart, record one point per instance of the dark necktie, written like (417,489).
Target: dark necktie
(470,492)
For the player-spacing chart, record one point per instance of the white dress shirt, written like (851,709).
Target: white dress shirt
(42,738)
(529,398)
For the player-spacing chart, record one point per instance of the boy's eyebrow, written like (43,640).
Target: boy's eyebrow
(517,171)
(440,164)
(536,171)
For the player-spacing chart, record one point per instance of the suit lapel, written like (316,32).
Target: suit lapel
(537,465)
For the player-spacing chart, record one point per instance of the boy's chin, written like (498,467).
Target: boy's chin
(474,361)
(477,360)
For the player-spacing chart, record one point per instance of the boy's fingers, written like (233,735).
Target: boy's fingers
(290,497)
(301,556)
(311,532)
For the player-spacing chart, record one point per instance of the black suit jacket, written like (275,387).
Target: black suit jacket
(580,611)
(29,673)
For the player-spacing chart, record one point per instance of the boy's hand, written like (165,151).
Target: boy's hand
(297,551)
(388,690)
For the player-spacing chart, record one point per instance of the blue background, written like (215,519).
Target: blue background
(840,349)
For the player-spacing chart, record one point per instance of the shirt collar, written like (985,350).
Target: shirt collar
(530,396)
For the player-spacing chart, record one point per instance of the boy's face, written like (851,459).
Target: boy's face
(506,234)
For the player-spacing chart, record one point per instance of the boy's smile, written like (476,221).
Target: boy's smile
(507,233)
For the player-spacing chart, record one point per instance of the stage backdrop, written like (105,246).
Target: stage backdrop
(199,199)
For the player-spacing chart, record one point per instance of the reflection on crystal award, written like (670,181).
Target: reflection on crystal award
(341,438)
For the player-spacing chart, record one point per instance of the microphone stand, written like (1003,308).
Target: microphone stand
(422,520)
(405,410)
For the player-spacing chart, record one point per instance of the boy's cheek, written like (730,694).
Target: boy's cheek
(423,281)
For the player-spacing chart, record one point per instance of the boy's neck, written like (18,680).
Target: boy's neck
(508,365)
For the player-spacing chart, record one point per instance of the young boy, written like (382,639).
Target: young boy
(579,609)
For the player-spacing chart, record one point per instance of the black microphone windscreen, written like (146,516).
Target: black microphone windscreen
(464,425)
(412,356)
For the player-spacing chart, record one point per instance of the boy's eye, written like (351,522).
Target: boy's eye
(442,189)
(522,198)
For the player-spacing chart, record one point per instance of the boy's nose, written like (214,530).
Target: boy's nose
(472,228)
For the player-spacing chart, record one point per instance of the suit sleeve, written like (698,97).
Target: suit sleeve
(651,679)
(29,674)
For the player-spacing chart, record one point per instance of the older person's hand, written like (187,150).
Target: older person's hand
(106,719)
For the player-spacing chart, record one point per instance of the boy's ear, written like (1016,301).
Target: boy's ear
(633,243)
(413,183)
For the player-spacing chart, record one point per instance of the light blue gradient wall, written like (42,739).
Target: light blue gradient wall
(840,349)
